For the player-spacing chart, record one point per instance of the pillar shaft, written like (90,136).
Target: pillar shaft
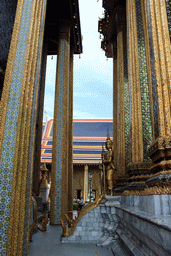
(19,101)
(160,149)
(85,182)
(38,137)
(59,185)
(115,92)
(120,104)
(160,42)
(134,86)
(70,139)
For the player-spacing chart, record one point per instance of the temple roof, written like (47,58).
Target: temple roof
(88,136)
(108,25)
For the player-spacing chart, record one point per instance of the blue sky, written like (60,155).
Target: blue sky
(93,72)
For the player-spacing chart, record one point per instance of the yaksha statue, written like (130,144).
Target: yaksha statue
(108,164)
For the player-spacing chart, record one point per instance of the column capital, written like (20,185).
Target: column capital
(121,19)
(64,32)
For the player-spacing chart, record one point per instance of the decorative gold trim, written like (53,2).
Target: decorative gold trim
(149,191)
(83,211)
(159,173)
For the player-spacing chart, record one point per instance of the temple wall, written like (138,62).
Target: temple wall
(78,179)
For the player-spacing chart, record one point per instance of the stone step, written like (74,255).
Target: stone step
(102,240)
(131,246)
(118,250)
(105,241)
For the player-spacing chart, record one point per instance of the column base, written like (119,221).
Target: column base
(120,185)
(138,174)
(160,182)
(160,149)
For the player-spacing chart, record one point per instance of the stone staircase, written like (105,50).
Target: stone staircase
(119,224)
(110,224)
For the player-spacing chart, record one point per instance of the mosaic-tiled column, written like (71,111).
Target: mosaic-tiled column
(17,129)
(70,138)
(115,91)
(134,85)
(120,99)
(160,147)
(140,89)
(59,185)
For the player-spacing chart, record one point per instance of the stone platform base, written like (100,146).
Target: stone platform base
(129,225)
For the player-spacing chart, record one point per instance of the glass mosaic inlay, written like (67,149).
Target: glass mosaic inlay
(59,136)
(8,149)
(37,83)
(126,102)
(144,87)
(156,128)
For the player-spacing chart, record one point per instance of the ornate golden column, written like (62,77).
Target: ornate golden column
(70,138)
(59,185)
(120,95)
(134,83)
(17,131)
(140,87)
(160,147)
(115,95)
(121,101)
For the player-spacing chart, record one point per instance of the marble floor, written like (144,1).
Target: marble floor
(48,244)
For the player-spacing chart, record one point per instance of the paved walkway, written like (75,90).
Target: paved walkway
(48,244)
